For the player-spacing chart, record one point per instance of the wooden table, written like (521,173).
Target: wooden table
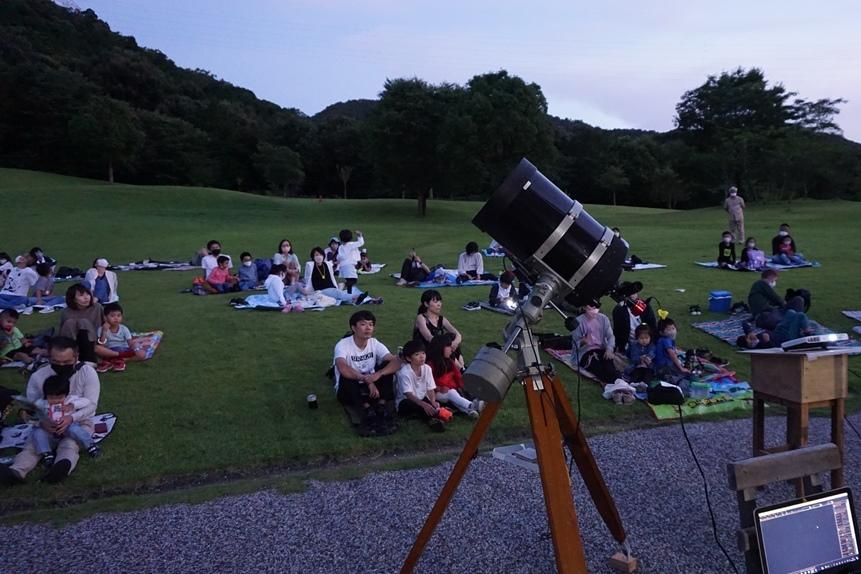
(800,381)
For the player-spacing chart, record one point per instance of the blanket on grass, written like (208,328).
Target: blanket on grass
(153,265)
(769,265)
(853,315)
(375,268)
(643,267)
(148,341)
(315,302)
(726,392)
(503,310)
(730,329)
(488,252)
(446,278)
(16,436)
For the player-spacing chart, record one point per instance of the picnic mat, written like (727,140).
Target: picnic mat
(729,329)
(148,341)
(488,252)
(308,302)
(727,393)
(768,265)
(16,436)
(853,315)
(375,268)
(153,265)
(644,266)
(449,279)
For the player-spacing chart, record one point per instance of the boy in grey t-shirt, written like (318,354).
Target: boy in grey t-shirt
(115,344)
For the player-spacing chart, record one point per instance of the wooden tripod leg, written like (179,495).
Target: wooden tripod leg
(585,460)
(469,451)
(570,557)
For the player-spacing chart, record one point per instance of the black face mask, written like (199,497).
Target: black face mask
(216,251)
(64,371)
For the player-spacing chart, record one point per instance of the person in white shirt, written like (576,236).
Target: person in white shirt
(20,279)
(416,387)
(348,257)
(288,259)
(470,264)
(364,374)
(276,290)
(5,266)
(210,262)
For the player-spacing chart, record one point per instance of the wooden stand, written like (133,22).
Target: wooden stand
(800,381)
(552,419)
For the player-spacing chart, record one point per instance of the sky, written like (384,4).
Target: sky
(613,64)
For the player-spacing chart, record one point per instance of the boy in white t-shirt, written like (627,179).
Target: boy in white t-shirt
(348,257)
(210,262)
(364,374)
(20,279)
(416,387)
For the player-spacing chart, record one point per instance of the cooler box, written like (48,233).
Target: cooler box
(720,301)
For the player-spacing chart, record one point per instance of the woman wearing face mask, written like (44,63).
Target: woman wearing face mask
(734,206)
(593,343)
(288,259)
(320,278)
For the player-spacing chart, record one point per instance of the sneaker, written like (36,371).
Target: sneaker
(59,472)
(472,413)
(472,306)
(48,460)
(478,405)
(119,365)
(746,327)
(386,424)
(374,300)
(436,425)
(104,366)
(369,424)
(361,298)
(94,451)
(9,477)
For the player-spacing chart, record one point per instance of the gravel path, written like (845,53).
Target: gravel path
(496,522)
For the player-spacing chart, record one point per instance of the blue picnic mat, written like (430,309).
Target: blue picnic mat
(730,329)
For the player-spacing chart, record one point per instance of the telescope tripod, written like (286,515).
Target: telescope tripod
(552,420)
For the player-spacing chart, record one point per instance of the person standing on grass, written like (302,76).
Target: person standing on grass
(348,257)
(734,206)
(364,374)
(83,382)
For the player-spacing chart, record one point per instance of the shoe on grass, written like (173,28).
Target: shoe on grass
(436,425)
(95,451)
(119,365)
(104,367)
(48,460)
(9,477)
(472,413)
(58,473)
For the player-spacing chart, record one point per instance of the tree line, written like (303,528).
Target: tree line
(77,98)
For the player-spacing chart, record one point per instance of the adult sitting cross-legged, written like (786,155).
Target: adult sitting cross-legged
(364,374)
(84,383)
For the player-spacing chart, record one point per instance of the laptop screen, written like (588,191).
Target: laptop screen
(813,535)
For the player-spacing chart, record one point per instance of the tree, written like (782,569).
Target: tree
(668,187)
(107,130)
(613,180)
(281,166)
(341,148)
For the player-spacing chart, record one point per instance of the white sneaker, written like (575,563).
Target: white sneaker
(478,405)
(472,413)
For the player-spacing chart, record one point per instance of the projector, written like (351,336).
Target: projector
(814,341)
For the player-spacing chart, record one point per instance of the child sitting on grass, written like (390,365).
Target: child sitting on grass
(55,406)
(115,344)
(364,263)
(446,373)
(248,278)
(80,320)
(726,251)
(416,387)
(751,257)
(668,366)
(641,356)
(44,286)
(786,254)
(504,290)
(219,279)
(14,346)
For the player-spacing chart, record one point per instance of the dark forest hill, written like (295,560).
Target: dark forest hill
(79,98)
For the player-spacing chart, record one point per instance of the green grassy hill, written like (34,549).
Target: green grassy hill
(226,391)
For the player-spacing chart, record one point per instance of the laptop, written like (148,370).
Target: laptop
(816,534)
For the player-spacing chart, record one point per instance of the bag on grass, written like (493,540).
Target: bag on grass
(665,394)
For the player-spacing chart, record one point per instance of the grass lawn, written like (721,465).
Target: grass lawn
(225,394)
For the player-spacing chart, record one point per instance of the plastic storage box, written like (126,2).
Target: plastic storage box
(720,301)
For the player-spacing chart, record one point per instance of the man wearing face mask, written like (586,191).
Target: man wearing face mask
(734,206)
(84,382)
(625,321)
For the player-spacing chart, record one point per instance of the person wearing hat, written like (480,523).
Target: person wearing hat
(626,318)
(332,253)
(734,206)
(102,282)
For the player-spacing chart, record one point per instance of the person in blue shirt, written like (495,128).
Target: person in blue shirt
(248,278)
(668,366)
(641,356)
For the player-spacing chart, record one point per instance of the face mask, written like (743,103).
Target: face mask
(727,239)
(64,371)
(733,194)
(772,284)
(783,233)
(216,251)
(670,334)
(247,263)
(591,312)
(318,259)
(751,245)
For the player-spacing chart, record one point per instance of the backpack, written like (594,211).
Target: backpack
(803,293)
(263,267)
(755,259)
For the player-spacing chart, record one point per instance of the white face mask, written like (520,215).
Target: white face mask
(772,284)
(670,334)
(318,259)
(751,245)
(783,233)
(732,194)
(247,263)
(727,239)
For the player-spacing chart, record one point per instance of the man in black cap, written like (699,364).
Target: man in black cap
(627,317)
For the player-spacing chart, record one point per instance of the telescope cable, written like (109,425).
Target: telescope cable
(852,425)
(706,489)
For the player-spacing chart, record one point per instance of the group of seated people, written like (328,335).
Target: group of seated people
(332,271)
(780,319)
(470,267)
(783,252)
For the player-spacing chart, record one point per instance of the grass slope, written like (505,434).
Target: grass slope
(225,395)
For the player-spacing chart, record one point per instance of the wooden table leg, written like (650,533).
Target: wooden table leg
(837,414)
(758,425)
